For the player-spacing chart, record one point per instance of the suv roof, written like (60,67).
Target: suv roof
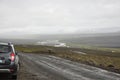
(1,43)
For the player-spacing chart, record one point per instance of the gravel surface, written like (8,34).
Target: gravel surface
(46,67)
(26,75)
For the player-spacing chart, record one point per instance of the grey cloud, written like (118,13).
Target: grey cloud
(52,16)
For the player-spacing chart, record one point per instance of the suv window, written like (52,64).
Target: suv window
(5,49)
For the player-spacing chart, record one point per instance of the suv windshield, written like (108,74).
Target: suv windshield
(5,49)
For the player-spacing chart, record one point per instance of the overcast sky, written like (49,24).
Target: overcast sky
(59,16)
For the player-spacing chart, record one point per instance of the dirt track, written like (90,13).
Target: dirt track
(46,67)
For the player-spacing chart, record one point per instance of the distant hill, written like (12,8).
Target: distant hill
(98,39)
(103,39)
(106,41)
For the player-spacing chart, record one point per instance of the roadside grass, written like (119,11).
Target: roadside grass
(96,57)
(83,46)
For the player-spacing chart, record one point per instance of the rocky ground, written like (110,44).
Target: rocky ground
(25,75)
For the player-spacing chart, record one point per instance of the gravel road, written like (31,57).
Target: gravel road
(46,67)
